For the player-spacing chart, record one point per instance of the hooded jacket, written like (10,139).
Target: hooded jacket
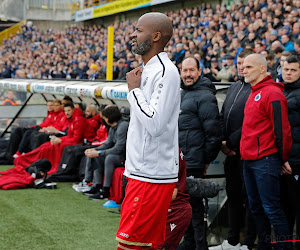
(199,124)
(266,129)
(292,93)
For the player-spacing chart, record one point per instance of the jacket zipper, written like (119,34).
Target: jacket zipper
(258,145)
(233,105)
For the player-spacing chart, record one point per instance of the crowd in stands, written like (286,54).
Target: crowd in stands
(215,36)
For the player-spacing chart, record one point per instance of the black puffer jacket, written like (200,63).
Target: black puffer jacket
(292,93)
(232,113)
(199,124)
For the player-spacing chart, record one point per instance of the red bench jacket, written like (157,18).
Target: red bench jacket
(266,129)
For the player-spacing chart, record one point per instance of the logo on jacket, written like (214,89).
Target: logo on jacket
(172,226)
(257,97)
(145,82)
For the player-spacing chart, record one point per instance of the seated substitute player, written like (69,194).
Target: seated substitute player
(102,160)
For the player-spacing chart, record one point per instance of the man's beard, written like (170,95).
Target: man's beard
(143,48)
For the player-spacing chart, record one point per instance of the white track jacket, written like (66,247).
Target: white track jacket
(152,139)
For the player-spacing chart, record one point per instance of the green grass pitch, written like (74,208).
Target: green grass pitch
(55,219)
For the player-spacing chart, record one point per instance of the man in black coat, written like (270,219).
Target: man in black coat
(199,138)
(232,115)
(291,170)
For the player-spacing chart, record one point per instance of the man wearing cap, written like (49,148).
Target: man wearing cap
(225,73)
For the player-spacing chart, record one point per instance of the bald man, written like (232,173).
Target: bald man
(265,147)
(152,140)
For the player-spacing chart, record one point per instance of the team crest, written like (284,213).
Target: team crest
(257,97)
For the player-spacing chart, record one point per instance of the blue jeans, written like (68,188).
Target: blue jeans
(262,181)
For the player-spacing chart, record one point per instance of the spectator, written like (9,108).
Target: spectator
(199,138)
(264,149)
(297,46)
(180,54)
(272,67)
(232,115)
(225,73)
(288,45)
(93,72)
(291,170)
(208,72)
(10,98)
(122,70)
(75,70)
(83,68)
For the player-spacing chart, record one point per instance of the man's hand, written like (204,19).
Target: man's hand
(51,130)
(286,168)
(175,191)
(133,78)
(233,71)
(42,130)
(226,150)
(214,71)
(55,140)
(91,153)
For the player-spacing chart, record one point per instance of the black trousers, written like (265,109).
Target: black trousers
(195,237)
(68,169)
(38,139)
(290,191)
(238,208)
(16,138)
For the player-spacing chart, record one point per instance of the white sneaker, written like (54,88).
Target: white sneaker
(244,247)
(82,187)
(226,246)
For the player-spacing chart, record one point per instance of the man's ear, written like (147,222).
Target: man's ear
(156,36)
